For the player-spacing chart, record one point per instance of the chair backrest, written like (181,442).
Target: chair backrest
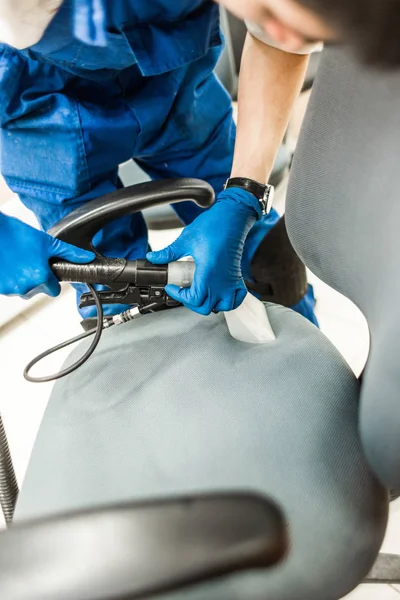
(343,215)
(227,68)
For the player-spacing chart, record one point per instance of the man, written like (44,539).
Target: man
(89,84)
(282,33)
(108,81)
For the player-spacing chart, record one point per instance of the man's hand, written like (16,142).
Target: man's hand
(215,240)
(24,259)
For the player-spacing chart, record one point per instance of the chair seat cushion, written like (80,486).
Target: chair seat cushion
(172,404)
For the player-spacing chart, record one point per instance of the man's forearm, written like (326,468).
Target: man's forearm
(269,85)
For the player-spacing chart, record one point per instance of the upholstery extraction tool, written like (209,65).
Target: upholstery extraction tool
(140,284)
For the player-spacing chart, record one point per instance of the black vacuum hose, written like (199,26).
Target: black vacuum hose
(8,481)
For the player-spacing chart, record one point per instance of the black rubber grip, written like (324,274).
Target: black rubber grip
(103,271)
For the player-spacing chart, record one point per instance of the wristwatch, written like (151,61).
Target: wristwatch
(263,193)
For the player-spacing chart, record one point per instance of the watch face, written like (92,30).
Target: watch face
(269,198)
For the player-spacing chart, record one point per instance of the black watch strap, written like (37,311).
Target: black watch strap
(263,193)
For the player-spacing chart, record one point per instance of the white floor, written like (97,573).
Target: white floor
(26,329)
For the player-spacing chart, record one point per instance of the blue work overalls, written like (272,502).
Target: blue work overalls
(72,112)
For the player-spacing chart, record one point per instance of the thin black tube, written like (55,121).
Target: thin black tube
(78,338)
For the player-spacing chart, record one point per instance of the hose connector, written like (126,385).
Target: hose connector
(129,315)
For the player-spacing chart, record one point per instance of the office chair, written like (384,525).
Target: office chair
(173,406)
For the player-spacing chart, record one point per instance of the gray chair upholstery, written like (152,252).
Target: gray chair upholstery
(343,213)
(172,404)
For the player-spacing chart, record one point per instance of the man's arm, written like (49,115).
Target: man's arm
(269,85)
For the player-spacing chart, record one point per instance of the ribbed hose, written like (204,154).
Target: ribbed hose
(8,481)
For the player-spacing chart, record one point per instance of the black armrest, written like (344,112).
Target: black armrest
(139,550)
(80,226)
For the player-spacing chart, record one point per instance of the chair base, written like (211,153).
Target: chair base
(385,570)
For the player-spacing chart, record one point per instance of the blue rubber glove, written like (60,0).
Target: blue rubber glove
(215,240)
(24,259)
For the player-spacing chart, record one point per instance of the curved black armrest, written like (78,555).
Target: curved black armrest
(135,551)
(81,225)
